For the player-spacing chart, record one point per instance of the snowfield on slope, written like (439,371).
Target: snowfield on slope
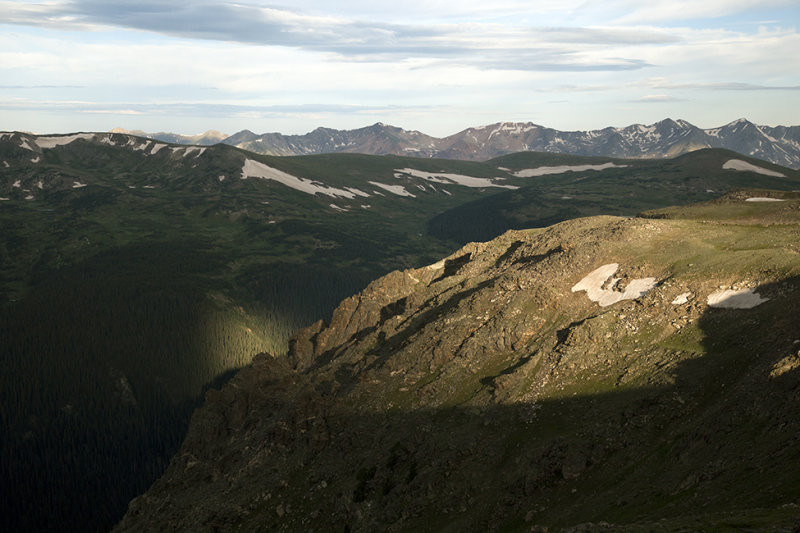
(52,142)
(763,199)
(593,285)
(738,164)
(735,299)
(399,190)
(451,179)
(543,171)
(254,169)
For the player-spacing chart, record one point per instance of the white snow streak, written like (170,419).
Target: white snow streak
(254,169)
(738,164)
(542,171)
(453,179)
(52,142)
(763,199)
(394,189)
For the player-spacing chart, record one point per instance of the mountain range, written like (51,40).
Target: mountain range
(667,138)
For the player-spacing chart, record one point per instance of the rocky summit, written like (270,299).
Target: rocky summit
(602,374)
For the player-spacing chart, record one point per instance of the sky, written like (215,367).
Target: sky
(429,65)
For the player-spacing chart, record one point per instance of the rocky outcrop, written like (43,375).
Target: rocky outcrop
(482,393)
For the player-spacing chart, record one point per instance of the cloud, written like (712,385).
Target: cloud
(729,86)
(201,109)
(656,98)
(42,87)
(485,45)
(675,10)
(112,111)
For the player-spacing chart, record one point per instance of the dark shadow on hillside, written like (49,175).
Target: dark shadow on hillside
(102,365)
(720,439)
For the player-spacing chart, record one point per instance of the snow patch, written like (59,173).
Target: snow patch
(394,189)
(77,184)
(40,184)
(357,192)
(156,148)
(221,178)
(17,184)
(254,169)
(5,164)
(436,266)
(594,281)
(29,197)
(60,140)
(143,147)
(36,159)
(514,128)
(192,149)
(26,143)
(763,199)
(543,171)
(738,164)
(4,199)
(337,208)
(682,298)
(452,179)
(735,299)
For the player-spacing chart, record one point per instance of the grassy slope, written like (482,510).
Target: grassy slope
(639,186)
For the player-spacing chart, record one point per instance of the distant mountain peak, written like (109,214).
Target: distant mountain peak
(665,138)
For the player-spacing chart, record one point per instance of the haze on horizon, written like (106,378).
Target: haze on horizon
(433,66)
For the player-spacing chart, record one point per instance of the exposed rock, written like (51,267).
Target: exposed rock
(481,393)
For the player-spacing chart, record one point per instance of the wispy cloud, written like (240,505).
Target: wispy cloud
(729,86)
(199,109)
(485,45)
(682,10)
(656,98)
(15,87)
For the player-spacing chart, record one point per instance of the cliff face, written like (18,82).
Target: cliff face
(637,372)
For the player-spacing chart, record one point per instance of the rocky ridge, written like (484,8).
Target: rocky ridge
(483,393)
